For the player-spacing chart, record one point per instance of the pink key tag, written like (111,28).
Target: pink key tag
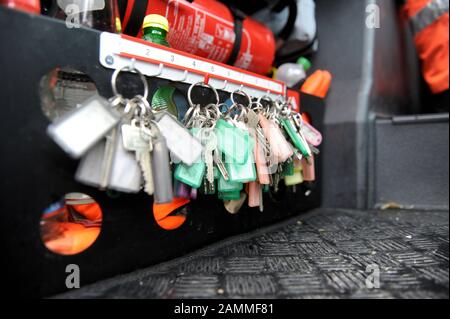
(280,147)
(254,194)
(309,174)
(312,136)
(286,150)
(261,166)
(265,124)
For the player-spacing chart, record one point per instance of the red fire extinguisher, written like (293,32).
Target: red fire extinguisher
(207,28)
(32,6)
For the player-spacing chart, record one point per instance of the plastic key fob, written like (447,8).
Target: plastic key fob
(79,130)
(179,140)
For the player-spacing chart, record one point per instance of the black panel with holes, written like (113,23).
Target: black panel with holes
(36,172)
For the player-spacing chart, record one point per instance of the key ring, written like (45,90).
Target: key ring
(239,91)
(117,100)
(298,119)
(203,84)
(213,111)
(222,107)
(233,108)
(258,106)
(268,99)
(285,110)
(130,69)
(191,113)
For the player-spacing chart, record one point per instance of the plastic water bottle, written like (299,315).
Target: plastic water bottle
(155,29)
(292,73)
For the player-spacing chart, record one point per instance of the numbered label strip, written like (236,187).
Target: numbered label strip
(116,51)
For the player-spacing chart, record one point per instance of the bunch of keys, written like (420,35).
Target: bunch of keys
(201,121)
(119,144)
(126,146)
(109,165)
(143,138)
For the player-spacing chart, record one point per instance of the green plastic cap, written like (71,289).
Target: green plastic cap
(305,63)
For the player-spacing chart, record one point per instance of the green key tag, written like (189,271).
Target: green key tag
(299,143)
(232,141)
(228,186)
(242,173)
(288,168)
(191,175)
(230,195)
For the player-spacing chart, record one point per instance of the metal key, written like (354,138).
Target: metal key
(137,140)
(144,157)
(314,149)
(210,145)
(220,165)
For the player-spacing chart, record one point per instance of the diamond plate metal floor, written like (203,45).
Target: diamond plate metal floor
(322,254)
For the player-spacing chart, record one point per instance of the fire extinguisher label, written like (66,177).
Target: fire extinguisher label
(198,32)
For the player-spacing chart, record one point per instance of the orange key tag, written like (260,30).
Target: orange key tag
(254,189)
(280,147)
(309,174)
(261,162)
(259,148)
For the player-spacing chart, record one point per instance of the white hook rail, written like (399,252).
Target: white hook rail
(154,60)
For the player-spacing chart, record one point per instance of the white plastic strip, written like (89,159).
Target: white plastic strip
(117,51)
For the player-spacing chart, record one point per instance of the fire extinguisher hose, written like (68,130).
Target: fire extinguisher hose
(238,29)
(135,11)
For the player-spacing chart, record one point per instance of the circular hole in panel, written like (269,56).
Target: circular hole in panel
(171,216)
(62,89)
(72,224)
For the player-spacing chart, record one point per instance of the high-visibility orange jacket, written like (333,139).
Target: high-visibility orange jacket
(429,20)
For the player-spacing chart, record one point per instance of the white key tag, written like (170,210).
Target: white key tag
(79,130)
(179,140)
(125,175)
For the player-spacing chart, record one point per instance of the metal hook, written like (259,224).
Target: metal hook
(160,70)
(185,75)
(133,63)
(224,87)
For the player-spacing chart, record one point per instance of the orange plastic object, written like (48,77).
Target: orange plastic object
(161,213)
(306,117)
(74,238)
(317,84)
(90,211)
